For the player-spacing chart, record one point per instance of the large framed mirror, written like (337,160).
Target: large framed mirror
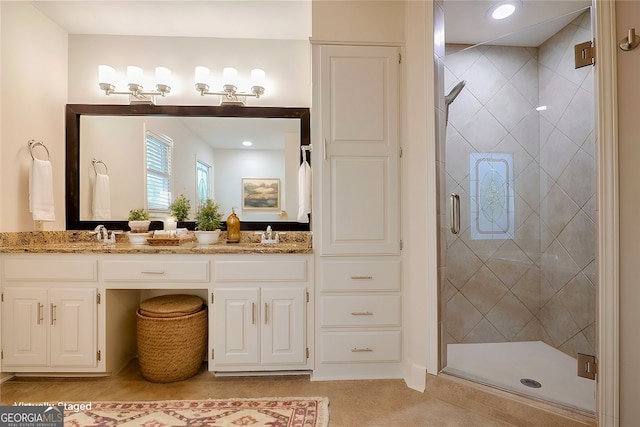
(201,153)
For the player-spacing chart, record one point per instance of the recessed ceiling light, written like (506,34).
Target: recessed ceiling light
(247,143)
(503,10)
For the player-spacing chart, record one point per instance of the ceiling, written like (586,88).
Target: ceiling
(251,19)
(466,21)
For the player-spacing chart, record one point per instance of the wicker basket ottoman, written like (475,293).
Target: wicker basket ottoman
(172,337)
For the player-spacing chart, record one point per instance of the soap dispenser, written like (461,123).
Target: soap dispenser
(233,227)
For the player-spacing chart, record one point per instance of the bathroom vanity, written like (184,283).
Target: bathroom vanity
(70,307)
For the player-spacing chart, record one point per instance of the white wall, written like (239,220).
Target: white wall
(34,92)
(358,21)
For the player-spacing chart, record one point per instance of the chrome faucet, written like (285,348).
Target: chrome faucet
(269,236)
(103,235)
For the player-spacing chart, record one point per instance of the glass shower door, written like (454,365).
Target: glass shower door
(518,292)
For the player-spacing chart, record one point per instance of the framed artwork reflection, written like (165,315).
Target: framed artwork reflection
(261,194)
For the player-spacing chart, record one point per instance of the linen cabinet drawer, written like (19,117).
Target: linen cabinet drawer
(50,269)
(347,347)
(360,310)
(155,271)
(360,275)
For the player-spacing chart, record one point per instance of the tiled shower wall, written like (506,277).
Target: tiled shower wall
(539,285)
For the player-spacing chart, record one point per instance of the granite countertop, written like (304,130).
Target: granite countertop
(80,241)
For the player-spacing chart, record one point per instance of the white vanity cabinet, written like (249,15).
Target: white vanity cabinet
(357,212)
(50,307)
(260,313)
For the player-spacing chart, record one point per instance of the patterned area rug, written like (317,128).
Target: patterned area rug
(271,412)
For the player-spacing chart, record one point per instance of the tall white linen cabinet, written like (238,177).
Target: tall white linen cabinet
(356,226)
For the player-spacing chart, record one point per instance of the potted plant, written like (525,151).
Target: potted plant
(139,221)
(208,220)
(180,208)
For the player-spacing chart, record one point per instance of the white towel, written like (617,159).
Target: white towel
(101,197)
(41,191)
(304,192)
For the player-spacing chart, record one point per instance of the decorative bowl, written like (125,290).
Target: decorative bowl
(137,238)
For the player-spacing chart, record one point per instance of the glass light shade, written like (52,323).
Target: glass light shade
(202,75)
(229,76)
(135,75)
(258,77)
(106,74)
(163,76)
(504,9)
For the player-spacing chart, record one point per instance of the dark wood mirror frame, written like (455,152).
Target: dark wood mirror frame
(72,177)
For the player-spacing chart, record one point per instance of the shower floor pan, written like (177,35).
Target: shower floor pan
(504,365)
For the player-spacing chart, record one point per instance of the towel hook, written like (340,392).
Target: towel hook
(94,162)
(33,143)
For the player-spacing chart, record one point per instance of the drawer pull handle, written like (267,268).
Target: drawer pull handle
(361,277)
(361,350)
(53,314)
(266,313)
(153,272)
(361,313)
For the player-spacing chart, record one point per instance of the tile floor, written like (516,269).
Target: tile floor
(352,403)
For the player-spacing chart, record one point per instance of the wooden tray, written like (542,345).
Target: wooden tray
(170,241)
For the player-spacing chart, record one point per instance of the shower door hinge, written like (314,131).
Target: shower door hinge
(584,54)
(587,366)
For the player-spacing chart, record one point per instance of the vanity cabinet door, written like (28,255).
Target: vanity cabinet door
(283,324)
(53,327)
(259,327)
(235,323)
(24,327)
(73,327)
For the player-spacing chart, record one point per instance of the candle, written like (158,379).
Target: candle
(170,224)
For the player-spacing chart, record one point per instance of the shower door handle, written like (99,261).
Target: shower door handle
(455,213)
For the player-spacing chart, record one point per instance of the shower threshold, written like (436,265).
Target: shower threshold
(515,366)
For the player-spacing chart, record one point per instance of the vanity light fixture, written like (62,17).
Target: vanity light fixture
(504,9)
(229,93)
(135,77)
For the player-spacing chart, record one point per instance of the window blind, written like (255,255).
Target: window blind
(159,151)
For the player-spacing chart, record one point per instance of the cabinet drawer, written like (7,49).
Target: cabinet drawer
(346,347)
(361,275)
(156,271)
(50,270)
(360,311)
(260,271)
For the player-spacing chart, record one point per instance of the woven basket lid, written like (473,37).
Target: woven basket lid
(171,305)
